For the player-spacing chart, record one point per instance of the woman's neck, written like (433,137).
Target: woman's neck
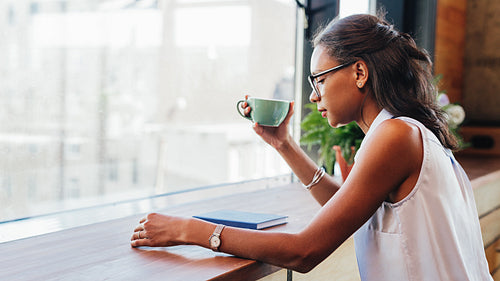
(370,111)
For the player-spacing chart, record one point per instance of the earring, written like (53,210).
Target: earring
(360,84)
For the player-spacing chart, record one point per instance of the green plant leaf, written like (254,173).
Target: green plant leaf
(317,131)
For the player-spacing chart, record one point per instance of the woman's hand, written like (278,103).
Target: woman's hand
(157,230)
(275,136)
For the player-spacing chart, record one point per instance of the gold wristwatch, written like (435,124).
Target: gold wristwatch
(214,239)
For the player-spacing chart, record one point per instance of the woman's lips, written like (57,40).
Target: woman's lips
(323,113)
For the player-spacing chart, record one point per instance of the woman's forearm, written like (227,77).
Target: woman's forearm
(304,168)
(280,249)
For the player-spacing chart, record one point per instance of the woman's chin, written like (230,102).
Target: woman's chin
(333,123)
(336,124)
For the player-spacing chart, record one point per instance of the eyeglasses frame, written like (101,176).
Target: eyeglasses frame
(311,78)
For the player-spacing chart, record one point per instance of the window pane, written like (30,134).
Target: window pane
(350,7)
(105,101)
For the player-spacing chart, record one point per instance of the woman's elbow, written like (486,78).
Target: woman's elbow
(305,266)
(305,262)
(306,253)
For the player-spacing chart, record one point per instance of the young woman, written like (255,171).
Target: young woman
(406,199)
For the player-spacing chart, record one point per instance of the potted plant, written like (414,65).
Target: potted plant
(346,140)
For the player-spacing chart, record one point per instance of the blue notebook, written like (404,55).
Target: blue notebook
(243,219)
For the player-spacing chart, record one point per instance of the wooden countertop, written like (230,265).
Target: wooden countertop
(102,251)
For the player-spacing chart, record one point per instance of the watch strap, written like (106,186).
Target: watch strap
(217,232)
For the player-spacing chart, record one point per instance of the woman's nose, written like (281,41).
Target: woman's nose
(313,97)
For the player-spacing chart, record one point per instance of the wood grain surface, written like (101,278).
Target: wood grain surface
(102,251)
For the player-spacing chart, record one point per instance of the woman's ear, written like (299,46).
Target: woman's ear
(361,74)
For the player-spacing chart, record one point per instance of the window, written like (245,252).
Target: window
(349,7)
(111,100)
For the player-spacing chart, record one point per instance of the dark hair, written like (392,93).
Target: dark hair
(400,74)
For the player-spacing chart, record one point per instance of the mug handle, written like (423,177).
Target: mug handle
(239,111)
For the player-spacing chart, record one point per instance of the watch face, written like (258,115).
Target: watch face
(215,242)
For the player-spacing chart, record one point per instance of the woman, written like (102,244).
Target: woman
(407,200)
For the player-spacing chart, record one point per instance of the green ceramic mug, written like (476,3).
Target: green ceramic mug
(266,112)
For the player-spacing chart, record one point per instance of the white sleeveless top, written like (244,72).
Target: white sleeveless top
(432,234)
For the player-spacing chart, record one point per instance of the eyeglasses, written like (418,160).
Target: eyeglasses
(312,78)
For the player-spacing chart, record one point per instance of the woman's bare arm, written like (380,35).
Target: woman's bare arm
(373,179)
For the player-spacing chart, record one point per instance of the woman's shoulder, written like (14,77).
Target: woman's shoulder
(399,128)
(396,139)
(396,131)
(390,159)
